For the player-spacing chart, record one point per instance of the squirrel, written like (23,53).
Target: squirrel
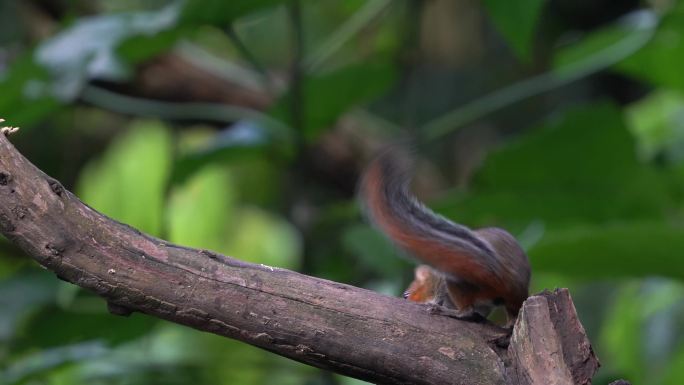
(466,273)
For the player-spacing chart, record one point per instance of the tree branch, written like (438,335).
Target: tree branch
(329,325)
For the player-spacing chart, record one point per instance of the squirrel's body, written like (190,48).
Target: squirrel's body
(470,270)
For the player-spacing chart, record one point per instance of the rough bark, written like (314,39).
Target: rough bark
(549,345)
(329,325)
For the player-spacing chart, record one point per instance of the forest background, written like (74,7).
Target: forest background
(242,127)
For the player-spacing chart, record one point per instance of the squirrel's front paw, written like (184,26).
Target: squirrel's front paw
(465,315)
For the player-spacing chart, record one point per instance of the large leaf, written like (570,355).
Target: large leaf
(201,211)
(517,21)
(659,61)
(203,214)
(579,168)
(636,249)
(327,96)
(264,238)
(129,181)
(601,210)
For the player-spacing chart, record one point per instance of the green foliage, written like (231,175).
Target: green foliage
(246,140)
(76,326)
(35,289)
(47,360)
(610,39)
(264,238)
(87,49)
(594,189)
(328,96)
(140,158)
(675,372)
(562,175)
(24,99)
(220,12)
(138,48)
(657,121)
(517,21)
(373,250)
(202,210)
(637,354)
(616,250)
(657,62)
(202,214)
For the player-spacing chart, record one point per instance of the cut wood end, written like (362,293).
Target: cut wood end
(548,327)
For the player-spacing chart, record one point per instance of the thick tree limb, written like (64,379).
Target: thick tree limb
(325,324)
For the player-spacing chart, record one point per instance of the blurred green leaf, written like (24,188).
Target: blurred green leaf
(202,210)
(19,295)
(9,265)
(581,167)
(570,149)
(245,139)
(219,360)
(149,360)
(142,372)
(657,121)
(25,98)
(591,44)
(374,250)
(129,181)
(11,260)
(328,96)
(609,251)
(675,371)
(138,48)
(658,62)
(354,23)
(47,359)
(264,238)
(76,327)
(202,214)
(260,181)
(620,338)
(87,49)
(517,21)
(221,13)
(638,334)
(587,59)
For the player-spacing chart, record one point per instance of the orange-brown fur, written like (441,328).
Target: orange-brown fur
(470,278)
